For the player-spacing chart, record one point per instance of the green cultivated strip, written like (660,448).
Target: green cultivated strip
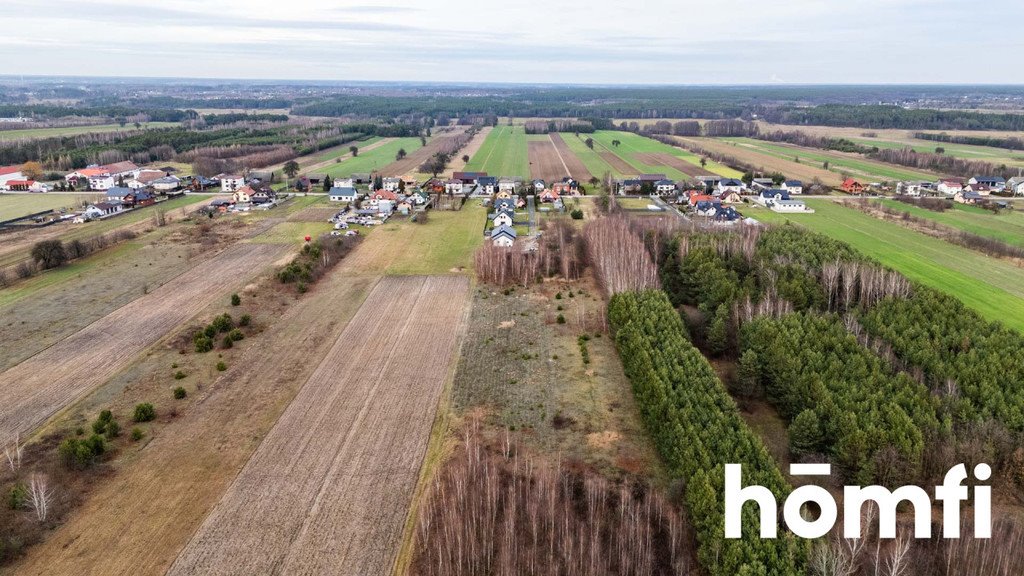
(503,153)
(992,287)
(837,162)
(631,144)
(1007,226)
(373,160)
(697,430)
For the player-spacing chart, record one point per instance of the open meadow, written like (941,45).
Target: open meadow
(841,162)
(11,135)
(503,153)
(1007,225)
(19,205)
(375,158)
(993,287)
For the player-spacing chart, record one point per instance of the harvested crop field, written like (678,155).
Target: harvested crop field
(575,167)
(663,159)
(328,490)
(619,164)
(545,162)
(47,382)
(768,162)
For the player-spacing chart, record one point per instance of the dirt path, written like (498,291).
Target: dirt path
(45,383)
(572,164)
(329,488)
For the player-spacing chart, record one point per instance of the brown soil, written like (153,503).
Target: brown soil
(457,165)
(544,161)
(49,381)
(329,488)
(770,163)
(620,165)
(576,168)
(665,159)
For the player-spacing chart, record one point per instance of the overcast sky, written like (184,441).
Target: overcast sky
(556,41)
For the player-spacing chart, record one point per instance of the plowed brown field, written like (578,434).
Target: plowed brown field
(45,383)
(620,165)
(544,161)
(576,168)
(329,488)
(663,159)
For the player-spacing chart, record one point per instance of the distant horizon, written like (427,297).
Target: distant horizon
(570,42)
(4,76)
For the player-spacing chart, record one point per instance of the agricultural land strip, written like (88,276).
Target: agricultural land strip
(411,163)
(788,167)
(993,287)
(346,454)
(47,382)
(573,165)
(375,159)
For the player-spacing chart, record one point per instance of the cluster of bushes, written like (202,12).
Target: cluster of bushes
(841,399)
(697,429)
(47,254)
(315,260)
(203,340)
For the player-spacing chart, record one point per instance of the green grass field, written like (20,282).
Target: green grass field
(18,205)
(630,144)
(591,157)
(1007,226)
(337,151)
(503,153)
(965,151)
(375,159)
(856,166)
(445,243)
(9,135)
(995,288)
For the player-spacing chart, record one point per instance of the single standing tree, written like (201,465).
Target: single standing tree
(50,253)
(40,496)
(32,170)
(354,150)
(703,162)
(589,142)
(465,158)
(291,168)
(401,154)
(616,143)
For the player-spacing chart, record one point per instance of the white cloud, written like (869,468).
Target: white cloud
(657,41)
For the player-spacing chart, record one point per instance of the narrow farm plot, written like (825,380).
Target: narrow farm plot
(374,158)
(788,167)
(663,159)
(45,383)
(457,165)
(1007,226)
(636,151)
(328,490)
(596,162)
(853,164)
(993,287)
(545,162)
(575,167)
(411,163)
(503,153)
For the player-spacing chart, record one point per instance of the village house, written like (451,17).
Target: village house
(231,182)
(793,186)
(8,173)
(419,198)
(770,196)
(709,182)
(469,178)
(453,186)
(501,218)
(727,185)
(790,206)
(1015,186)
(142,198)
(108,208)
(762,184)
(914,188)
(243,195)
(503,194)
(144,178)
(166,184)
(507,204)
(504,236)
(980,189)
(25,186)
(550,195)
(664,187)
(487,185)
(731,198)
(851,186)
(120,194)
(263,196)
(392,184)
(950,186)
(538,185)
(343,194)
(994,183)
(382,195)
(221,204)
(507,185)
(404,207)
(121,170)
(968,197)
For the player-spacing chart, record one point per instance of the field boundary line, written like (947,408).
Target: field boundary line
(559,153)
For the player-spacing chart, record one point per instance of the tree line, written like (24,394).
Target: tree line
(697,429)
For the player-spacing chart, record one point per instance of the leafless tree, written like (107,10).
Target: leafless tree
(40,496)
(13,453)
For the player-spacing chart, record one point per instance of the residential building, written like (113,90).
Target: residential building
(343,194)
(231,182)
(851,186)
(664,187)
(793,186)
(504,236)
(8,173)
(950,186)
(453,186)
(995,183)
(727,185)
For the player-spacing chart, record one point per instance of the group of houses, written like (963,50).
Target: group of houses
(393,196)
(711,196)
(975,190)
